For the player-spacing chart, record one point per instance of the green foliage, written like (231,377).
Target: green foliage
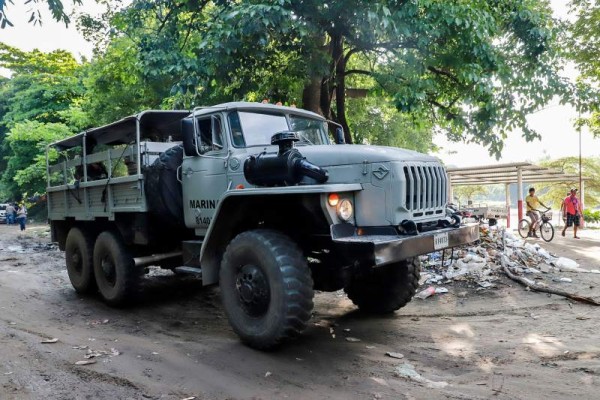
(591,216)
(26,168)
(56,8)
(583,47)
(474,69)
(555,192)
(38,104)
(467,193)
(42,85)
(374,120)
(116,86)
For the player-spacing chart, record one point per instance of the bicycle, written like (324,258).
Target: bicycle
(545,227)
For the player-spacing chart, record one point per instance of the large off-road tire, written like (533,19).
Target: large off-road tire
(79,250)
(163,189)
(116,276)
(266,288)
(386,289)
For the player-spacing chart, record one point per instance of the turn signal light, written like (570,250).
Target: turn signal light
(333,199)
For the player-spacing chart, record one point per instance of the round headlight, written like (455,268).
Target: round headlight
(345,210)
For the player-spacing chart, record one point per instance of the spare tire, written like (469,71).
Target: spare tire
(163,190)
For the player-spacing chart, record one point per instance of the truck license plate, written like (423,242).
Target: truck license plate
(440,241)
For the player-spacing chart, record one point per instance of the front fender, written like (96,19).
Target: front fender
(230,213)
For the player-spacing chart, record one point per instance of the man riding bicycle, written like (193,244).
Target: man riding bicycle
(533,203)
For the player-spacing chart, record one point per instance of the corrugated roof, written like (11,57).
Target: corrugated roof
(507,173)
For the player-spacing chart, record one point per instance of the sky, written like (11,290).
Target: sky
(554,123)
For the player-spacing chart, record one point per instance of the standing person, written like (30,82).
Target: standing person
(10,214)
(533,203)
(22,216)
(563,210)
(15,213)
(574,212)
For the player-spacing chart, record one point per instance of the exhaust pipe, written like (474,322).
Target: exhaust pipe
(149,260)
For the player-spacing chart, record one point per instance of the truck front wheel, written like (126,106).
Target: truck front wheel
(79,248)
(386,289)
(114,269)
(266,287)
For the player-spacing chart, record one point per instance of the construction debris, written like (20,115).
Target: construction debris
(498,252)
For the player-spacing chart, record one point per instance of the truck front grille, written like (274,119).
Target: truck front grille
(426,188)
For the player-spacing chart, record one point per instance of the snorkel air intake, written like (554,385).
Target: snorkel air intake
(285,168)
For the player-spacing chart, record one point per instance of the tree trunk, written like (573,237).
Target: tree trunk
(340,84)
(326,95)
(311,96)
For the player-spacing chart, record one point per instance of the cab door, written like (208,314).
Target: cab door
(204,176)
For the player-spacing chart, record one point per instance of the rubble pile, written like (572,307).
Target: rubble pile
(483,263)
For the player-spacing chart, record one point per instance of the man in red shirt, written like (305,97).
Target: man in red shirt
(572,207)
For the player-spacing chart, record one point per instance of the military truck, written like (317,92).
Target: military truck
(254,197)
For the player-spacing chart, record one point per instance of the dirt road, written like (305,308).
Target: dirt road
(504,343)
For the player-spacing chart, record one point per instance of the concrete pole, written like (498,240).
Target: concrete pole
(507,192)
(520,193)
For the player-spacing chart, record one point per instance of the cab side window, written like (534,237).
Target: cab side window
(211,134)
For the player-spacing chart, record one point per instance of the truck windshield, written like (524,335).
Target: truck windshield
(255,129)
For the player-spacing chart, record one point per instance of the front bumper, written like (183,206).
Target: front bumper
(379,250)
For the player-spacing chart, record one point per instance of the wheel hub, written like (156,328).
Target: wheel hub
(253,290)
(109,270)
(76,261)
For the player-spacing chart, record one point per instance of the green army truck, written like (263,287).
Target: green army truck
(254,197)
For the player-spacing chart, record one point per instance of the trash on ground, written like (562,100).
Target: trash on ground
(47,341)
(430,291)
(85,362)
(563,279)
(407,371)
(352,339)
(481,265)
(394,355)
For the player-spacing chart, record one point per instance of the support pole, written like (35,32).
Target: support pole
(507,192)
(581,199)
(520,193)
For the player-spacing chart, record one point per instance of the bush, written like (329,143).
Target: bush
(591,216)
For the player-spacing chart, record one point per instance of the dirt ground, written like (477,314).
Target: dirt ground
(504,343)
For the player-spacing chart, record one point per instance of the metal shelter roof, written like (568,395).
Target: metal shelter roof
(507,173)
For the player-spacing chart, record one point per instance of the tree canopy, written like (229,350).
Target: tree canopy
(583,44)
(37,106)
(473,69)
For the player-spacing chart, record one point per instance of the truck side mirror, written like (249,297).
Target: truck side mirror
(339,135)
(188,132)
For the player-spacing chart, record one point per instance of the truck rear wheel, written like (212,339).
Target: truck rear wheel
(114,269)
(386,289)
(266,287)
(79,248)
